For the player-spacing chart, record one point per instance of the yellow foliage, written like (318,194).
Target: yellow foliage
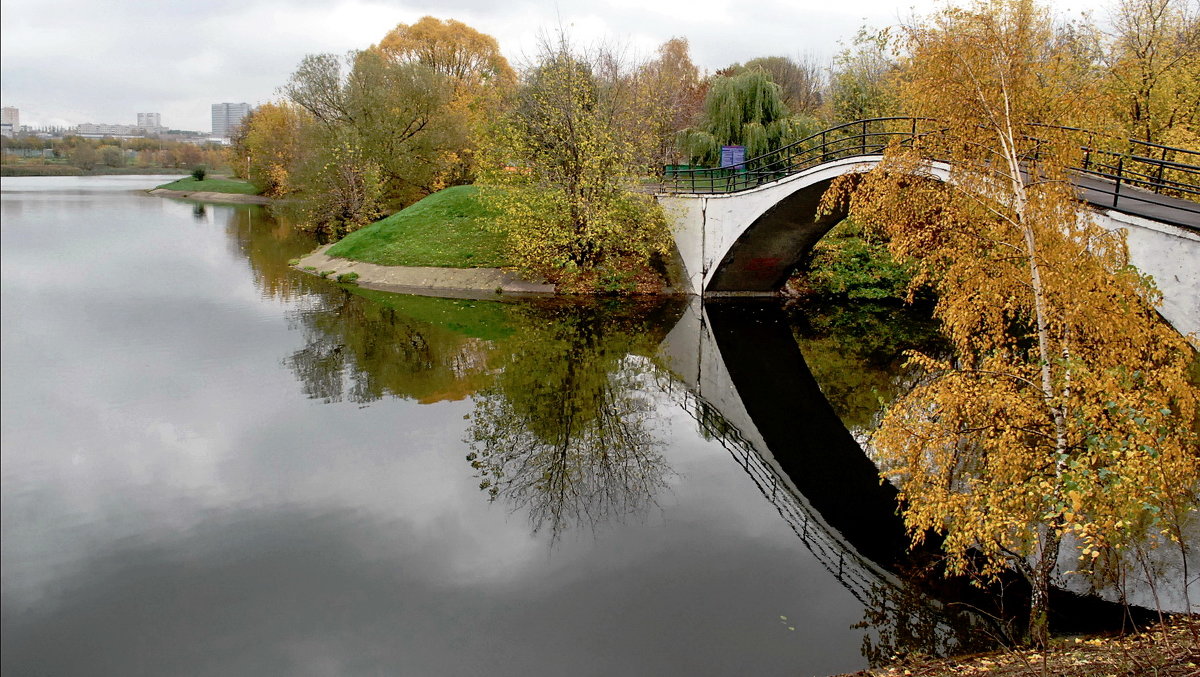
(1064,406)
(559,167)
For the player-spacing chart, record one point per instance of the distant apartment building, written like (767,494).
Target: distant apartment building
(226,117)
(149,120)
(102,129)
(10,123)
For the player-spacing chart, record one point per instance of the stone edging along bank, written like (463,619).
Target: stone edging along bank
(453,282)
(207,196)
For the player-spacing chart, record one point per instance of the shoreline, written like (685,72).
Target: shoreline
(472,283)
(207,196)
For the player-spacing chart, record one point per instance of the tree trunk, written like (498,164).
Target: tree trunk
(1039,583)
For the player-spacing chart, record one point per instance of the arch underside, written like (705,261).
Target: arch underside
(775,244)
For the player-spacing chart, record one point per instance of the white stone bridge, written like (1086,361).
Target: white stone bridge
(744,230)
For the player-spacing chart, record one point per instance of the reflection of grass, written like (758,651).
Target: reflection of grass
(191,185)
(488,320)
(448,229)
(855,353)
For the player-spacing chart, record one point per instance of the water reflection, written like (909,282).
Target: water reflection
(267,244)
(856,354)
(566,426)
(567,431)
(361,345)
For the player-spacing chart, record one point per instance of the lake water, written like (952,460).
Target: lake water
(216,465)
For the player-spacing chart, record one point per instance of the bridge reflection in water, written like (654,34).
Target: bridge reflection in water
(740,374)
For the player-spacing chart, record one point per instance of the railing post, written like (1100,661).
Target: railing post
(1120,171)
(1158,183)
(864,139)
(913,136)
(824,148)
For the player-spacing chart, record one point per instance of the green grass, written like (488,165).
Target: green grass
(191,185)
(449,229)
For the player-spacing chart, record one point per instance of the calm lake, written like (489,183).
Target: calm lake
(216,465)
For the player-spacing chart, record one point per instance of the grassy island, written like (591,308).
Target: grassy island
(449,229)
(191,185)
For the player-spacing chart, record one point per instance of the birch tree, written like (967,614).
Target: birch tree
(1064,409)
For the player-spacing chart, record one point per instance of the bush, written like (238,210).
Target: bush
(199,172)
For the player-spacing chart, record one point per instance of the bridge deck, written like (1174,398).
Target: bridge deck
(1137,202)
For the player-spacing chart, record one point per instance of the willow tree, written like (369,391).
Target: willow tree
(744,109)
(1063,411)
(800,81)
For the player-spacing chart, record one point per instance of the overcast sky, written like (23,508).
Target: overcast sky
(63,62)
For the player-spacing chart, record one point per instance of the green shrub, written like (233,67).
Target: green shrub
(199,172)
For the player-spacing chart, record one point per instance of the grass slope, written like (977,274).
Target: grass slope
(191,185)
(449,229)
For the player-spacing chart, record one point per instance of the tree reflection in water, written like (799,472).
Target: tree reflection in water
(567,431)
(361,345)
(563,425)
(268,243)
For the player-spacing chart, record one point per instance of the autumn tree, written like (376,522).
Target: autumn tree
(860,82)
(1153,58)
(1063,412)
(478,75)
(560,172)
(669,99)
(270,146)
(382,116)
(451,48)
(404,112)
(390,111)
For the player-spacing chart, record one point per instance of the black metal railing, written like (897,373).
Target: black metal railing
(1127,175)
(852,139)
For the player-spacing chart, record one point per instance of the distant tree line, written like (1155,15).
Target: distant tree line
(89,154)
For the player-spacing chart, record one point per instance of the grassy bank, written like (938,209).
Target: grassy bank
(449,229)
(191,185)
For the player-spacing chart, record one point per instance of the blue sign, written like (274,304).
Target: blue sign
(732,155)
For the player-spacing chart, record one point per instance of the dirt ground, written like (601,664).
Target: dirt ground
(1170,651)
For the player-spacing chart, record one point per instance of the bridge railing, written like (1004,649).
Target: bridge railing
(1157,175)
(861,137)
(1129,171)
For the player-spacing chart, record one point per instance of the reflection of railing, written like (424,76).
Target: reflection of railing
(1150,167)
(859,575)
